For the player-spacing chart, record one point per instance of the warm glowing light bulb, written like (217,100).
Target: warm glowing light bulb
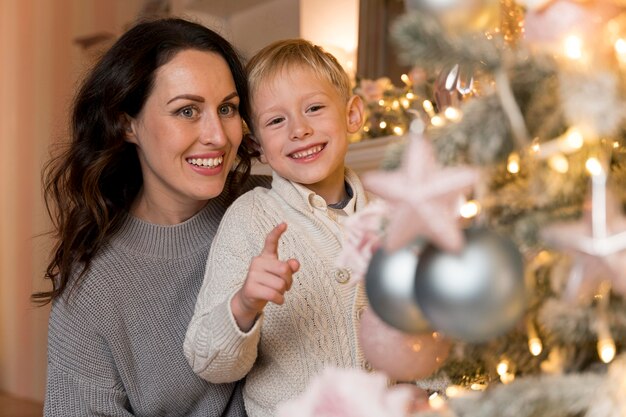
(405,79)
(452,114)
(574,139)
(470,209)
(573,47)
(398,130)
(436,401)
(437,121)
(405,103)
(594,166)
(559,163)
(507,378)
(620,50)
(381,102)
(615,144)
(503,367)
(535,346)
(513,163)
(454,391)
(606,349)
(535,147)
(382,124)
(395,104)
(428,106)
(478,387)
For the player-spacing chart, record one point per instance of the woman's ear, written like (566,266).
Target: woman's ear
(129,128)
(355,114)
(253,143)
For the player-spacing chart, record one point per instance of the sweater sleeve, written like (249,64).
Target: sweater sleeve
(215,347)
(82,379)
(68,395)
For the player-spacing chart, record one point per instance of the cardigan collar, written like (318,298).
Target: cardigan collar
(293,193)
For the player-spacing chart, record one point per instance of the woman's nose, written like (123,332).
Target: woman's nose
(212,132)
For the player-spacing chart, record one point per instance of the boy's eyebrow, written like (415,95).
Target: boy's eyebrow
(306,97)
(200,99)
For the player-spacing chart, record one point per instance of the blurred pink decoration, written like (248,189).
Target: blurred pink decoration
(418,76)
(424,197)
(597,242)
(373,90)
(556,19)
(402,356)
(350,393)
(363,235)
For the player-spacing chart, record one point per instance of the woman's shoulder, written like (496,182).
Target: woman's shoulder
(264,181)
(95,286)
(85,306)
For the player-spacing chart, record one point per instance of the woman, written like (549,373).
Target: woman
(136,199)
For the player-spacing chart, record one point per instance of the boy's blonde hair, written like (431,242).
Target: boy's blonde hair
(275,57)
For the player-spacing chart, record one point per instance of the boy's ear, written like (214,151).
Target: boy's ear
(253,143)
(129,128)
(355,114)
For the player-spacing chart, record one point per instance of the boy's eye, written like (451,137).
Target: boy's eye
(275,121)
(228,109)
(316,107)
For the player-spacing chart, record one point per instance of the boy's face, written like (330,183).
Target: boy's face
(301,123)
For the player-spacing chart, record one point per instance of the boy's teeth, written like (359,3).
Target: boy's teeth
(310,151)
(206,162)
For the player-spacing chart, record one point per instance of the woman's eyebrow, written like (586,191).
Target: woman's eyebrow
(187,97)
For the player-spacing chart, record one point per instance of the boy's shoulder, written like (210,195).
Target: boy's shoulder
(250,200)
(251,212)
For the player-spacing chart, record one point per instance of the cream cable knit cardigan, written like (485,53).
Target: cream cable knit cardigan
(315,327)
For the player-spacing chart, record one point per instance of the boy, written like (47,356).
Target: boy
(302,113)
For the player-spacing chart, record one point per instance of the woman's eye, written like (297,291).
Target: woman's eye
(188,112)
(228,109)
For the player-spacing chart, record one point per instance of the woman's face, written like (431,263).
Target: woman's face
(187,135)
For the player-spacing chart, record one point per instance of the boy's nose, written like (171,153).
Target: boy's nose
(301,129)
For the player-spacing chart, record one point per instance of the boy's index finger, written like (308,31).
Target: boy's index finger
(271,241)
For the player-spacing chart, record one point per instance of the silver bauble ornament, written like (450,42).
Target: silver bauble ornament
(476,294)
(452,85)
(389,284)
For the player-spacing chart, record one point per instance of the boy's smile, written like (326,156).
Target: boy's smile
(302,122)
(309,153)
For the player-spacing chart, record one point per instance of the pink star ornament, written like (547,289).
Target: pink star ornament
(424,197)
(598,242)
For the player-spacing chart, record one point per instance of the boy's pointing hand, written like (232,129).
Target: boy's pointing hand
(268,279)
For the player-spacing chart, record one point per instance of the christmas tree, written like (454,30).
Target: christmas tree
(498,245)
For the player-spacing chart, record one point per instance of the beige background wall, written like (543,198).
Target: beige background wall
(40,64)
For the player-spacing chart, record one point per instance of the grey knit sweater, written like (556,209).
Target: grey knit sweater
(115,346)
